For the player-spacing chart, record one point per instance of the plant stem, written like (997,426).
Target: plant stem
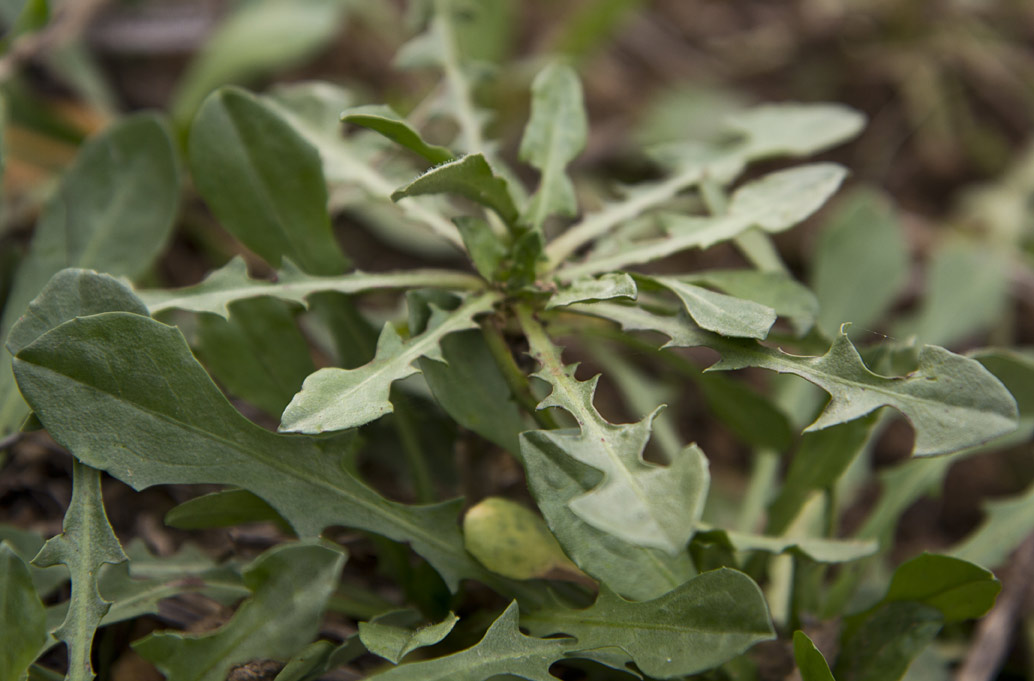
(515,378)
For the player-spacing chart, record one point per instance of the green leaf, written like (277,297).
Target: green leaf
(290,585)
(320,657)
(338,399)
(860,263)
(1007,522)
(466,381)
(776,290)
(26,544)
(634,499)
(725,315)
(470,177)
(773,203)
(263,181)
(86,543)
(604,287)
(69,294)
(257,38)
(231,283)
(556,133)
(487,251)
(883,647)
(22,621)
(818,549)
(221,509)
(384,120)
(156,418)
(503,650)
(633,571)
(822,457)
(967,289)
(113,211)
(258,354)
(388,636)
(810,662)
(709,620)
(951,401)
(512,541)
(793,129)
(958,589)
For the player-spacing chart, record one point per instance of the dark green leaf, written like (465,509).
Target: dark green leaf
(263,181)
(470,177)
(810,662)
(958,589)
(709,620)
(113,211)
(221,509)
(883,647)
(503,650)
(487,251)
(384,120)
(22,621)
(258,353)
(290,585)
(156,418)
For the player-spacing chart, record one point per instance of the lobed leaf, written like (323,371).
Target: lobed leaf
(555,134)
(290,585)
(157,418)
(338,399)
(634,499)
(709,620)
(503,650)
(469,176)
(85,544)
(263,181)
(231,283)
(384,120)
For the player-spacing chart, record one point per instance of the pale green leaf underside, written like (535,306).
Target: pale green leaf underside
(338,399)
(604,287)
(773,203)
(817,548)
(86,543)
(232,283)
(157,418)
(290,585)
(470,177)
(793,129)
(634,499)
(393,642)
(633,571)
(722,314)
(707,621)
(782,293)
(384,120)
(503,650)
(1006,524)
(951,401)
(555,134)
